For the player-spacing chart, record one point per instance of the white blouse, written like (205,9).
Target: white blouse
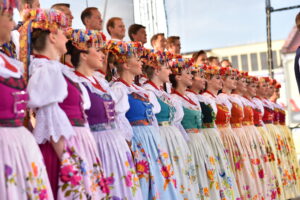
(47,88)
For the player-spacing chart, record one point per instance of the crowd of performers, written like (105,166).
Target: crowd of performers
(114,120)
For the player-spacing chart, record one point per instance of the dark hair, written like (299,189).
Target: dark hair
(39,38)
(172,40)
(110,60)
(111,23)
(87,13)
(133,29)
(74,53)
(149,71)
(55,6)
(211,58)
(155,37)
(173,80)
(197,54)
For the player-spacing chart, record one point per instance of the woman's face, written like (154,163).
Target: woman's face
(262,89)
(230,82)
(6,24)
(186,78)
(95,58)
(134,65)
(215,82)
(60,42)
(271,90)
(199,81)
(251,89)
(242,85)
(163,73)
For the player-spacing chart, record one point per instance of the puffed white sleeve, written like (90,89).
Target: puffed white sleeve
(120,94)
(153,100)
(178,118)
(46,88)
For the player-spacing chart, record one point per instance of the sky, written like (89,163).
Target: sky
(203,24)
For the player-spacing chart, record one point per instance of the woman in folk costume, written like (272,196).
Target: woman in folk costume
(258,111)
(136,108)
(270,178)
(23,173)
(234,149)
(88,57)
(288,190)
(169,119)
(206,172)
(55,92)
(286,132)
(287,170)
(209,107)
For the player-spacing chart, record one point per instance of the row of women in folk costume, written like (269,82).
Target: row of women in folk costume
(94,136)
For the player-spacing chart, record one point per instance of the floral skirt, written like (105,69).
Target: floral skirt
(117,162)
(240,163)
(182,162)
(272,159)
(228,186)
(292,153)
(77,174)
(285,164)
(206,172)
(260,149)
(23,173)
(153,166)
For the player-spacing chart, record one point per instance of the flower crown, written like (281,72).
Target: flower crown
(83,39)
(212,70)
(264,79)
(252,79)
(228,71)
(123,50)
(44,19)
(155,59)
(199,68)
(180,63)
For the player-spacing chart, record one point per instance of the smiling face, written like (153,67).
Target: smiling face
(185,78)
(230,82)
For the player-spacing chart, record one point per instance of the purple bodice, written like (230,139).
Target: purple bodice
(13,102)
(102,110)
(73,104)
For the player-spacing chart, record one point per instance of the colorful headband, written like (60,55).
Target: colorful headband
(264,79)
(50,20)
(123,50)
(84,39)
(212,70)
(155,59)
(180,63)
(252,79)
(9,5)
(226,71)
(199,68)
